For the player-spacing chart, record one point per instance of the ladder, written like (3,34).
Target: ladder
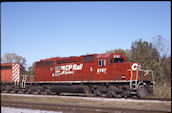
(133,83)
(24,79)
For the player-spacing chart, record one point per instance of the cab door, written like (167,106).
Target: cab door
(115,68)
(110,68)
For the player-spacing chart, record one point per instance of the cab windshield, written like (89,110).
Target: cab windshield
(116,60)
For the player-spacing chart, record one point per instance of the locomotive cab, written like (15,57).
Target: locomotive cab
(118,59)
(117,63)
(139,80)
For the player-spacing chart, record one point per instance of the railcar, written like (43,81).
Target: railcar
(10,72)
(107,74)
(10,76)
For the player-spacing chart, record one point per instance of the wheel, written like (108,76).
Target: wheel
(2,88)
(111,91)
(16,89)
(126,93)
(87,90)
(48,90)
(97,90)
(40,90)
(8,88)
(150,90)
(142,92)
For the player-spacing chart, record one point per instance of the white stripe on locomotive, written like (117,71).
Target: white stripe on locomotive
(17,79)
(15,76)
(16,71)
(14,65)
(16,68)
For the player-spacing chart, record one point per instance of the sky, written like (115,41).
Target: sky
(40,30)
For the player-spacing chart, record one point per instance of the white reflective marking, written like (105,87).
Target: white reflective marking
(17,79)
(16,68)
(15,65)
(16,72)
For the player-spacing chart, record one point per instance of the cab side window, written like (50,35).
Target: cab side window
(110,61)
(102,62)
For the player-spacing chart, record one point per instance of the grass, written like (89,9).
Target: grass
(88,103)
(163,90)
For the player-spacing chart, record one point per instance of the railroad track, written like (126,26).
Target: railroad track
(73,108)
(92,96)
(135,98)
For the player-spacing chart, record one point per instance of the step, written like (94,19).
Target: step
(20,92)
(132,92)
(4,92)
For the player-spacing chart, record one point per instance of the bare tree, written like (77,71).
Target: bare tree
(14,58)
(162,46)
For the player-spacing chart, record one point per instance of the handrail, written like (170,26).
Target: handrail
(24,79)
(137,74)
(131,78)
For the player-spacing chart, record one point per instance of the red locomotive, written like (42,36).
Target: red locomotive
(99,74)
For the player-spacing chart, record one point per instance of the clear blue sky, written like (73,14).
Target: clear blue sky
(39,30)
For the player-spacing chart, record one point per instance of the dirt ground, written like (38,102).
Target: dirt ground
(80,105)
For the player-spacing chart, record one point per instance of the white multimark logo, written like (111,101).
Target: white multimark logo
(69,69)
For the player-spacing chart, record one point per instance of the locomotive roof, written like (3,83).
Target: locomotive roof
(77,58)
(8,64)
(51,59)
(107,55)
